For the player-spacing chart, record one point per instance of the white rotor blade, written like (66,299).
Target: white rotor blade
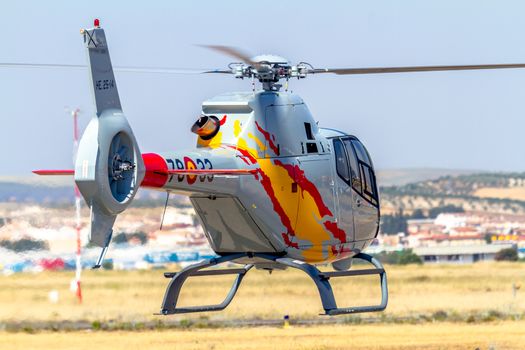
(118,69)
(40,65)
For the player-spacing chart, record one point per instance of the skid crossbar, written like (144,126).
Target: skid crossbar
(321,280)
(378,270)
(210,272)
(169,304)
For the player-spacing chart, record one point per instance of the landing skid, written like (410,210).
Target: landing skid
(321,280)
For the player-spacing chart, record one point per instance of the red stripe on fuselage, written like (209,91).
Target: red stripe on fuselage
(335,230)
(288,242)
(266,182)
(268,138)
(295,172)
(298,175)
(245,153)
(156,170)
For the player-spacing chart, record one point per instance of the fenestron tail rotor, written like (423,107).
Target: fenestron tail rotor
(121,164)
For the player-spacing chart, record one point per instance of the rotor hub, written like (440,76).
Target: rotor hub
(269,73)
(120,167)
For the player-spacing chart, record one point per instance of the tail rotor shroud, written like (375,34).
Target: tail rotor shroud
(108,171)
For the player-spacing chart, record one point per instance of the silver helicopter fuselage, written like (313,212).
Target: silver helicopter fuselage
(311,194)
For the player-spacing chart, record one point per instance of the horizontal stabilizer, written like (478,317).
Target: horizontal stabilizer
(71,172)
(54,172)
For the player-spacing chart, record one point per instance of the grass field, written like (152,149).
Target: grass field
(478,299)
(495,336)
(136,295)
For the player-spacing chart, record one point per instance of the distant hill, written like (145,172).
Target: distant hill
(40,181)
(399,177)
(494,192)
(58,191)
(29,193)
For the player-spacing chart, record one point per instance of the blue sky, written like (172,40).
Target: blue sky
(466,120)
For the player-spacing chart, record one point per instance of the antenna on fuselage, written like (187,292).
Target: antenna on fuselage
(164,211)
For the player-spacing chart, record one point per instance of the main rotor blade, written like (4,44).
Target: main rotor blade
(118,69)
(40,65)
(220,71)
(380,70)
(170,70)
(231,51)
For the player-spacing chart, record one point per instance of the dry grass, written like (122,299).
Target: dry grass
(504,335)
(133,296)
(516,193)
(136,295)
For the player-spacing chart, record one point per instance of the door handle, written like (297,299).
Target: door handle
(358,202)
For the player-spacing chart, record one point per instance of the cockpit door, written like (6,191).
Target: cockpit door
(365,203)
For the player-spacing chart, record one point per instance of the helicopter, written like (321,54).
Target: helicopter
(271,188)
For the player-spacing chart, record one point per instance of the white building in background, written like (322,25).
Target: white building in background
(461,237)
(460,254)
(453,220)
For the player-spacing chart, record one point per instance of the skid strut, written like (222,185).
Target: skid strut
(321,280)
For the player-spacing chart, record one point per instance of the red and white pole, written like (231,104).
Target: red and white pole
(78,224)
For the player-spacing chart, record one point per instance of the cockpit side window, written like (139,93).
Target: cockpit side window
(341,162)
(366,171)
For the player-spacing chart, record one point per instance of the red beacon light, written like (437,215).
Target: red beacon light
(96,23)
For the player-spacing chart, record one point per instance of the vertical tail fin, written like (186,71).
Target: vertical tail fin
(109,166)
(103,81)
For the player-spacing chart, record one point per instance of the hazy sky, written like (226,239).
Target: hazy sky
(467,120)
